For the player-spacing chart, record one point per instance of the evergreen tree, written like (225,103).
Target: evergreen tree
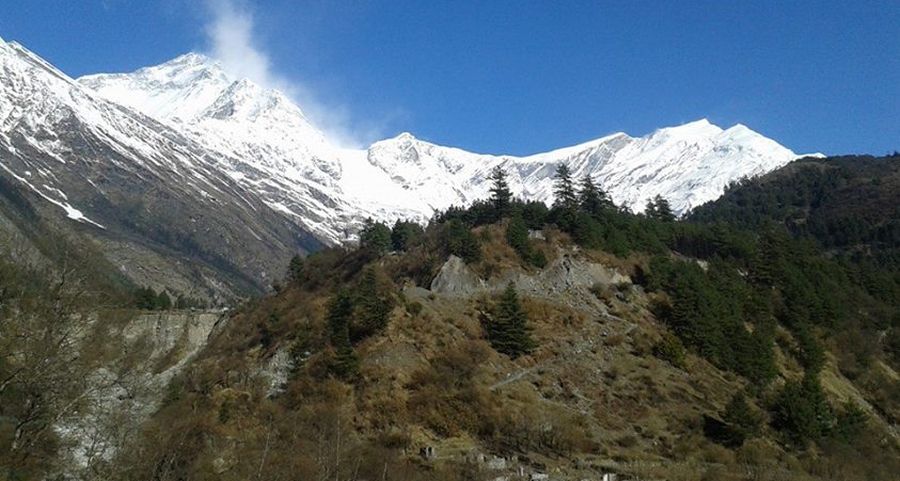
(534,213)
(295,269)
(507,328)
(145,298)
(801,411)
(460,241)
(658,208)
(501,196)
(592,198)
(375,236)
(743,421)
(850,423)
(266,337)
(340,310)
(517,236)
(373,307)
(404,234)
(163,301)
(564,189)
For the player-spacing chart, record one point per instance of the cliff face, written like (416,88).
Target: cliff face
(142,353)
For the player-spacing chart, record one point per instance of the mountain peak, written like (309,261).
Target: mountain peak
(700,126)
(405,137)
(190,58)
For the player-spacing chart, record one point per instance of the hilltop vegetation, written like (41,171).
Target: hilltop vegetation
(573,339)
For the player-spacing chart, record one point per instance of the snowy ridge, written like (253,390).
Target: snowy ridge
(156,196)
(220,126)
(407,177)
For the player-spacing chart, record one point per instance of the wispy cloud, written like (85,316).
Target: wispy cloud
(231,35)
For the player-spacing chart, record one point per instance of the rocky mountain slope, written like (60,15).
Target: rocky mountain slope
(430,396)
(161,205)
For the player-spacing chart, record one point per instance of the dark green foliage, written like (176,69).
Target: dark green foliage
(850,422)
(670,349)
(405,234)
(163,301)
(372,306)
(345,364)
(742,420)
(148,299)
(809,350)
(266,337)
(658,208)
(592,199)
(892,343)
(501,196)
(517,237)
(185,302)
(507,326)
(841,201)
(375,237)
(145,298)
(564,189)
(296,269)
(534,214)
(587,231)
(709,312)
(801,411)
(459,241)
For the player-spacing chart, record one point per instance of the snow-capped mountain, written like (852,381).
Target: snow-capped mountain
(185,157)
(407,177)
(164,208)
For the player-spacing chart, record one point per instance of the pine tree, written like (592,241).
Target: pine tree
(501,196)
(664,209)
(650,209)
(295,268)
(517,236)
(345,364)
(743,421)
(145,298)
(163,301)
(375,236)
(658,208)
(564,189)
(404,234)
(801,411)
(507,328)
(592,198)
(461,242)
(373,307)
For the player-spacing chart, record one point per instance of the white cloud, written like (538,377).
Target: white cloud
(232,41)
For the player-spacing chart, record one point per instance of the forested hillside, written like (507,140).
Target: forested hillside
(849,203)
(514,339)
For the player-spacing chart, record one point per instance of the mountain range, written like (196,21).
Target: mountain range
(186,175)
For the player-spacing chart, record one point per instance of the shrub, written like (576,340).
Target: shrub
(670,349)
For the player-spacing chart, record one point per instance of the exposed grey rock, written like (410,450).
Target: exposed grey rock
(153,348)
(277,370)
(456,279)
(563,274)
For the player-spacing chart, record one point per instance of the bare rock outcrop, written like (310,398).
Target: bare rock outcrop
(456,279)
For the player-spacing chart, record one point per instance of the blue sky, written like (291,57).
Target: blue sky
(525,76)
